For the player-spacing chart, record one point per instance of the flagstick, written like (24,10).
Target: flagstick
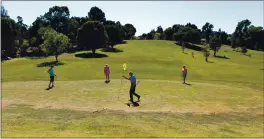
(120,84)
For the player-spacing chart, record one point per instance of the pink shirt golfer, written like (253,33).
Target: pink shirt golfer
(106,70)
(184,70)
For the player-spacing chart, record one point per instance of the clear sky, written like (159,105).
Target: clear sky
(147,15)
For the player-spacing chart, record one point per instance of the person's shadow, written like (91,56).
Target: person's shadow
(188,84)
(49,88)
(107,82)
(134,104)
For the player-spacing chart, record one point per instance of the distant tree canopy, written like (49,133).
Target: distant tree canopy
(96,14)
(161,33)
(207,31)
(19,38)
(248,36)
(215,43)
(187,34)
(58,18)
(91,36)
(129,31)
(95,31)
(114,34)
(168,33)
(3,11)
(8,27)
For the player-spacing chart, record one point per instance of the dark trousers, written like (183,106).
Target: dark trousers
(132,92)
(184,77)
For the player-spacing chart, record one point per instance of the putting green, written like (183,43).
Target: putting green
(91,108)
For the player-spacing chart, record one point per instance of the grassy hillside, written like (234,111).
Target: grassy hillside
(224,97)
(149,60)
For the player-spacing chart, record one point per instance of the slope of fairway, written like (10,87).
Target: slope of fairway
(224,97)
(149,60)
(167,109)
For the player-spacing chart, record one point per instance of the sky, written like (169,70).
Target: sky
(147,15)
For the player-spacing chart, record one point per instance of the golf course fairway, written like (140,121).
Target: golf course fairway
(223,97)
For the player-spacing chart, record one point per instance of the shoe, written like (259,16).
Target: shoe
(139,98)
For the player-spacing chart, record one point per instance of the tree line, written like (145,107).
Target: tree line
(245,36)
(55,32)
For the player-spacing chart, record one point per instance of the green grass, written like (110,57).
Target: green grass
(225,98)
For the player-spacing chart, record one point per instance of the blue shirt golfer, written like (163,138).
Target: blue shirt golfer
(132,90)
(132,79)
(52,74)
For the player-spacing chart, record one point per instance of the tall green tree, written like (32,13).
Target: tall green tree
(157,36)
(96,14)
(58,16)
(160,31)
(143,36)
(207,30)
(21,35)
(215,43)
(176,27)
(150,35)
(187,34)
(193,26)
(114,34)
(241,36)
(54,42)
(91,35)
(35,38)
(81,20)
(129,31)
(4,12)
(206,53)
(256,37)
(8,30)
(73,26)
(168,33)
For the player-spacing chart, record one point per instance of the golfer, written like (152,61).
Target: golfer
(52,74)
(184,73)
(106,72)
(132,90)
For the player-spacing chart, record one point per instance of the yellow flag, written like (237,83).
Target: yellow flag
(124,67)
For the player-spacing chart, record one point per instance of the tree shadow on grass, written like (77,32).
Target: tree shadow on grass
(123,42)
(192,47)
(222,57)
(114,50)
(90,55)
(36,57)
(47,64)
(249,55)
(210,62)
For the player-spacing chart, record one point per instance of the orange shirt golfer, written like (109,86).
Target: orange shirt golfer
(184,73)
